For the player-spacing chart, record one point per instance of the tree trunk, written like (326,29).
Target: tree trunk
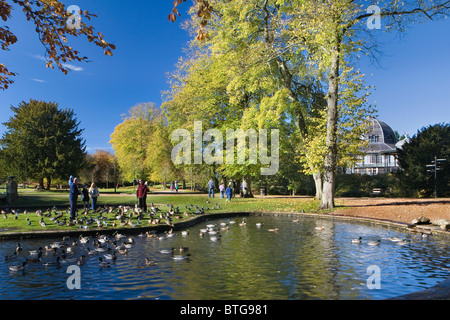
(41,183)
(332,119)
(49,181)
(318,182)
(246,188)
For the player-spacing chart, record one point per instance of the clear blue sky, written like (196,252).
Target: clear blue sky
(412,83)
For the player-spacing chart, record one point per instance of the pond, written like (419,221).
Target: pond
(270,258)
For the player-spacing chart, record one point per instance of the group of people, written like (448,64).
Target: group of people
(141,193)
(229,192)
(86,194)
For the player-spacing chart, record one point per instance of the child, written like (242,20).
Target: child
(228,193)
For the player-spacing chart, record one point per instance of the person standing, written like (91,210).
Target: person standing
(211,186)
(229,193)
(94,193)
(73,198)
(141,194)
(85,197)
(222,189)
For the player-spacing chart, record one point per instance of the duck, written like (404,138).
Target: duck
(103,264)
(320,228)
(109,256)
(81,260)
(403,242)
(183,249)
(165,251)
(374,243)
(150,262)
(243,223)
(395,239)
(18,267)
(179,257)
(259,224)
(184,233)
(359,240)
(214,238)
(273,230)
(295,220)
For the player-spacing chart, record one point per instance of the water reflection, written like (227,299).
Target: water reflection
(306,259)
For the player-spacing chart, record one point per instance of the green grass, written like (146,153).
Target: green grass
(47,199)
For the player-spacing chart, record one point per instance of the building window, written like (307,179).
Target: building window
(374,139)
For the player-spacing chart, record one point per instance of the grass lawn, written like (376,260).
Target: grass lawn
(45,200)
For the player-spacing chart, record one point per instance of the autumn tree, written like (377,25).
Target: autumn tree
(328,35)
(55,25)
(130,140)
(42,142)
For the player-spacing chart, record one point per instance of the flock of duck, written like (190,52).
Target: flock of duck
(76,251)
(106,248)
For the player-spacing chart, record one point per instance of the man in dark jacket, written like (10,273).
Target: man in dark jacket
(73,197)
(141,193)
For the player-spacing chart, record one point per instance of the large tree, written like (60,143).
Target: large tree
(131,137)
(42,142)
(417,158)
(327,34)
(55,25)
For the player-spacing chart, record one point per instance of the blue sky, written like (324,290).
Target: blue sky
(411,84)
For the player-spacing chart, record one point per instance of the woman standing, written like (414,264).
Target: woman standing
(93,191)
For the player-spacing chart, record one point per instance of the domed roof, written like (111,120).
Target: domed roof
(380,136)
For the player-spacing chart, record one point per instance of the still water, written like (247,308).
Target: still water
(306,259)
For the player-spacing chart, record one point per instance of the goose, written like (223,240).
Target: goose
(359,240)
(42,223)
(374,243)
(36,252)
(19,248)
(150,262)
(18,267)
(34,258)
(103,264)
(11,256)
(57,262)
